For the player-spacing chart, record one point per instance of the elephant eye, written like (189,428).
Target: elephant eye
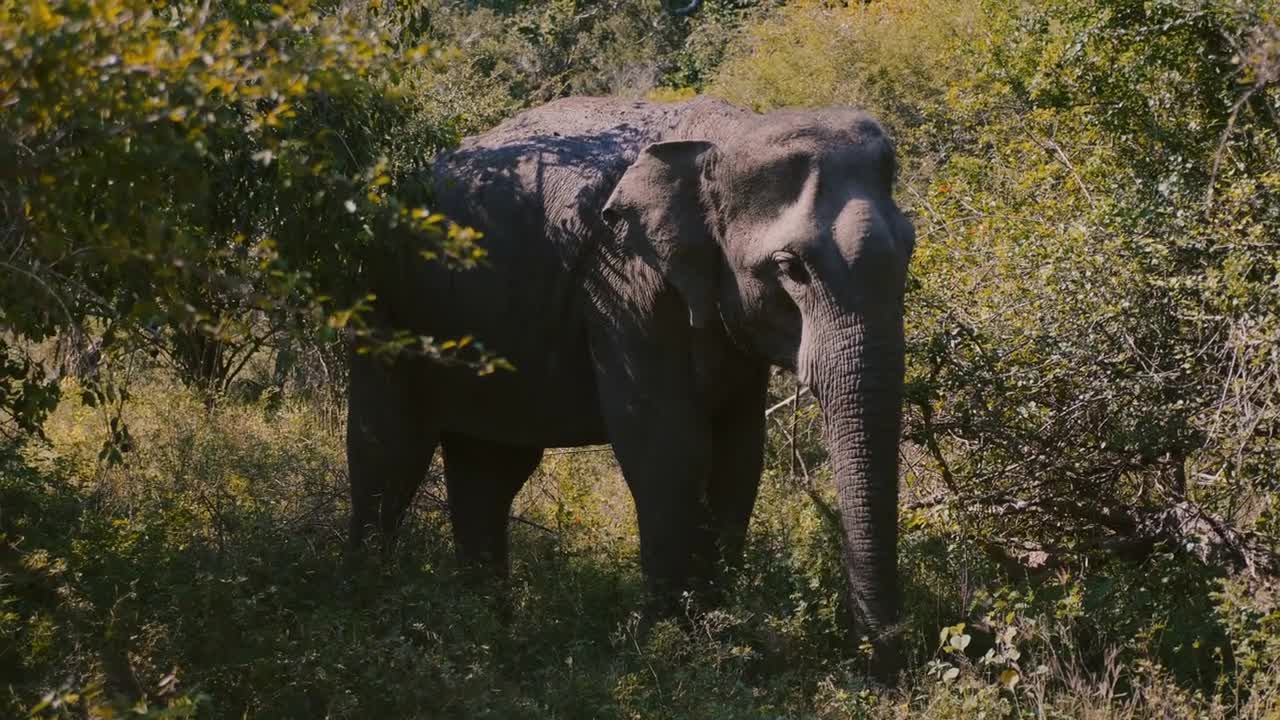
(790,266)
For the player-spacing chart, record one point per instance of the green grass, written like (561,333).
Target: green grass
(209,570)
(1085,329)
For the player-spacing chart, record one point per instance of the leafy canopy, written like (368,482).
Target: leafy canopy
(173,170)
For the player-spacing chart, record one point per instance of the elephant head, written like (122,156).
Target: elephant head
(787,233)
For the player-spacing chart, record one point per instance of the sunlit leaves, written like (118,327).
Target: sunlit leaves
(176,168)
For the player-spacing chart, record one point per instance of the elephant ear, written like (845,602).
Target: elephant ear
(658,204)
(904,232)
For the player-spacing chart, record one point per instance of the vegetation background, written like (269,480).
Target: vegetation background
(1090,520)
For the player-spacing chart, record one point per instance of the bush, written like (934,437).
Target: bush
(1088,526)
(500,57)
(1091,320)
(206,572)
(195,179)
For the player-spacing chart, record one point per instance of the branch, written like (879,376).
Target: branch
(804,390)
(443,504)
(935,450)
(253,346)
(579,450)
(688,10)
(1127,534)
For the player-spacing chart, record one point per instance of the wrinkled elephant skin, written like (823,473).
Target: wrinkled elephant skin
(647,264)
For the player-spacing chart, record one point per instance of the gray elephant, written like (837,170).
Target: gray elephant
(647,264)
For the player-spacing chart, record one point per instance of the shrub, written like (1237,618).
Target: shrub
(1088,522)
(194,178)
(1091,320)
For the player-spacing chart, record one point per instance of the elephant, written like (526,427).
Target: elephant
(647,264)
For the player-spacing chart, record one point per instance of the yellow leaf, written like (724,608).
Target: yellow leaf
(339,319)
(44,17)
(273,117)
(1009,678)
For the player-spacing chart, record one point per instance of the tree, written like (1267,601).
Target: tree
(191,178)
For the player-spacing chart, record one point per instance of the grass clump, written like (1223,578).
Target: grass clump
(208,573)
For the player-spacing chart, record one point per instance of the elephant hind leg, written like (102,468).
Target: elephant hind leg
(390,443)
(483,479)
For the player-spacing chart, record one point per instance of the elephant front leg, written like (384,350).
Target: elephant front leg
(677,535)
(738,438)
(664,448)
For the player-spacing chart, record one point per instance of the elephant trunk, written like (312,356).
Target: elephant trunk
(858,379)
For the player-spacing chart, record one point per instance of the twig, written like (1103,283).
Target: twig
(935,450)
(795,412)
(580,450)
(1222,142)
(688,10)
(444,504)
(800,390)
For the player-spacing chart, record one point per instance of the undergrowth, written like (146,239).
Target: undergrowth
(208,573)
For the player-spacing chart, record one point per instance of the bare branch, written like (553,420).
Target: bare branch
(689,9)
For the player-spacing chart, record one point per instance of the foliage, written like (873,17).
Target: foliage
(499,57)
(1089,523)
(1096,324)
(195,179)
(1093,316)
(893,58)
(206,572)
